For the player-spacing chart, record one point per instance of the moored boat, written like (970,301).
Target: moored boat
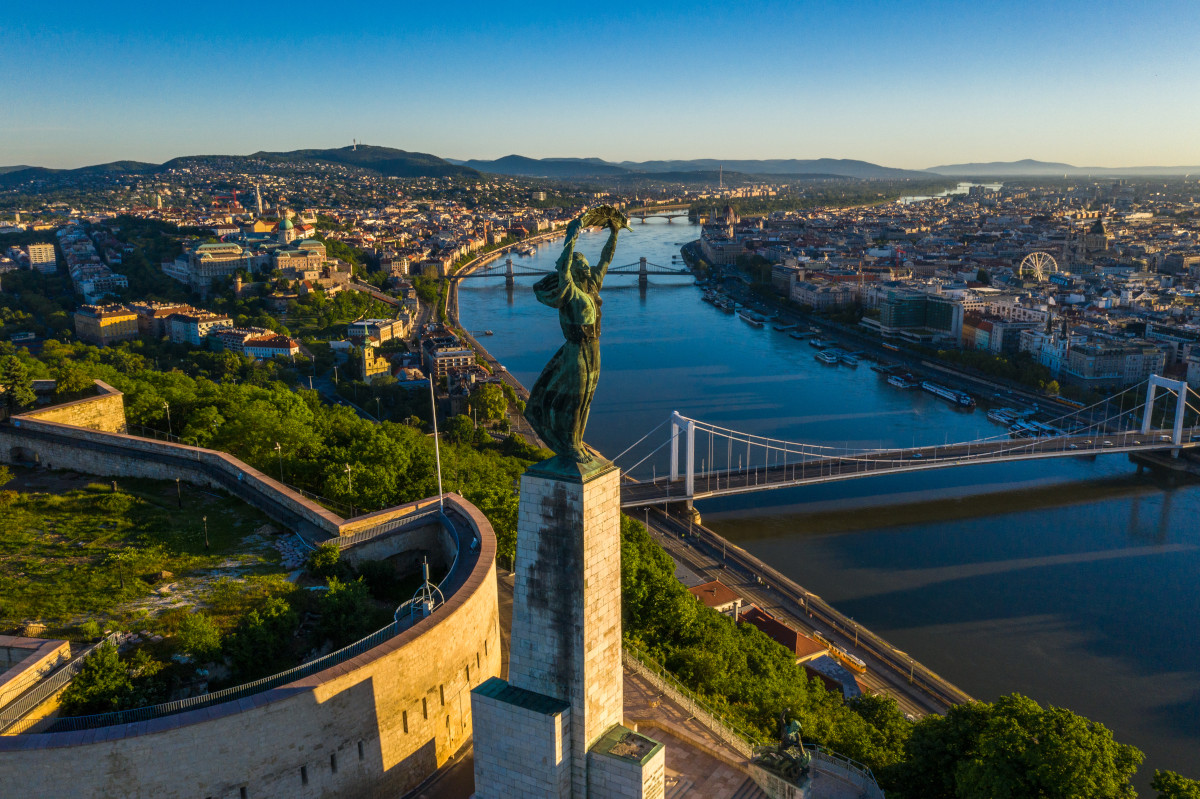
(959,398)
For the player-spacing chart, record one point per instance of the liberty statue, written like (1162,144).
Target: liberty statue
(562,396)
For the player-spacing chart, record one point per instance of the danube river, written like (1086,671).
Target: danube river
(1071,581)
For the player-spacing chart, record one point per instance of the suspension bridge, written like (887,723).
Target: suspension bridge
(642,269)
(708,460)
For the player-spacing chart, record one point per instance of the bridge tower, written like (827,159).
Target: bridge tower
(1177,387)
(689,432)
(510,279)
(643,275)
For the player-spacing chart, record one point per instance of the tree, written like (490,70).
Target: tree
(72,380)
(15,380)
(460,429)
(983,277)
(1027,750)
(101,686)
(489,401)
(1172,786)
(323,561)
(346,611)
(199,636)
(260,645)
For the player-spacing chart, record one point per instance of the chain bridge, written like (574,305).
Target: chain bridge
(642,269)
(708,460)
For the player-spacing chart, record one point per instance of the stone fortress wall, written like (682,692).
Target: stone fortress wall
(88,436)
(375,725)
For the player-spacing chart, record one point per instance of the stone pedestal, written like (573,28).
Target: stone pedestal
(566,629)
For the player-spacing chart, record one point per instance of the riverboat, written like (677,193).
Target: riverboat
(784,328)
(827,356)
(751,318)
(891,347)
(1004,416)
(818,343)
(959,398)
(800,335)
(850,359)
(902,381)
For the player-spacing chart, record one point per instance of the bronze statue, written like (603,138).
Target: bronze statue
(559,402)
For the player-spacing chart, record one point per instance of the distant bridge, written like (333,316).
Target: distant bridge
(667,212)
(711,461)
(642,268)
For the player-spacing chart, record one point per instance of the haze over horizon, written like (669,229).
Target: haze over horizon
(909,85)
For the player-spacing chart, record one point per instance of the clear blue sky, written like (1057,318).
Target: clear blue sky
(907,84)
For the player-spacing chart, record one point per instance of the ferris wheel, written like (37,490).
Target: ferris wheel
(1038,264)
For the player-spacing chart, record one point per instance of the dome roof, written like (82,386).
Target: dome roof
(286,225)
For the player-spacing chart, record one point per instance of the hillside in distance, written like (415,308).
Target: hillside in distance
(518,165)
(1029,167)
(381,160)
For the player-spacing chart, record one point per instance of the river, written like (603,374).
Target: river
(1070,581)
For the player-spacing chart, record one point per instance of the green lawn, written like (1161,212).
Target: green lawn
(73,552)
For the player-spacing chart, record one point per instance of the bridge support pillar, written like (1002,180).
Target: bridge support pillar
(510,279)
(676,421)
(1180,389)
(643,274)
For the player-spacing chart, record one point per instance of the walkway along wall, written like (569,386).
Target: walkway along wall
(375,725)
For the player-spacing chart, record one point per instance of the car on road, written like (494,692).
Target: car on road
(1109,444)
(918,455)
(1072,446)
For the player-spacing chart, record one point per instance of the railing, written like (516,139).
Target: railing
(76,723)
(47,687)
(843,768)
(655,674)
(847,770)
(383,528)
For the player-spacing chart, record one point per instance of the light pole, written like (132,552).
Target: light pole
(178,493)
(349,478)
(279,450)
(167,405)
(205,520)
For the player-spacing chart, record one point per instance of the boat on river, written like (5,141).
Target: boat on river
(828,356)
(800,335)
(959,398)
(902,381)
(849,359)
(751,318)
(818,343)
(784,328)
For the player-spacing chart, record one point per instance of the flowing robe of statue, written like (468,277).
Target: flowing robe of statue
(559,402)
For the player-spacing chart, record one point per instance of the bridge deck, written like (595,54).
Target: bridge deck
(822,470)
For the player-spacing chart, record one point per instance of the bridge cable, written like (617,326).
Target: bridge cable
(640,440)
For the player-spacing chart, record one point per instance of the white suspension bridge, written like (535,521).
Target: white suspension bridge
(708,460)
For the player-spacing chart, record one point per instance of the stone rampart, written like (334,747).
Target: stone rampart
(105,411)
(43,437)
(375,725)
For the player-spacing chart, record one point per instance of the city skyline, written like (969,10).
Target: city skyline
(902,85)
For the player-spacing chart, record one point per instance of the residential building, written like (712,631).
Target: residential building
(192,328)
(42,258)
(719,597)
(105,324)
(152,316)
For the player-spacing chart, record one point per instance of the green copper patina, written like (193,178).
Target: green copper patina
(559,402)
